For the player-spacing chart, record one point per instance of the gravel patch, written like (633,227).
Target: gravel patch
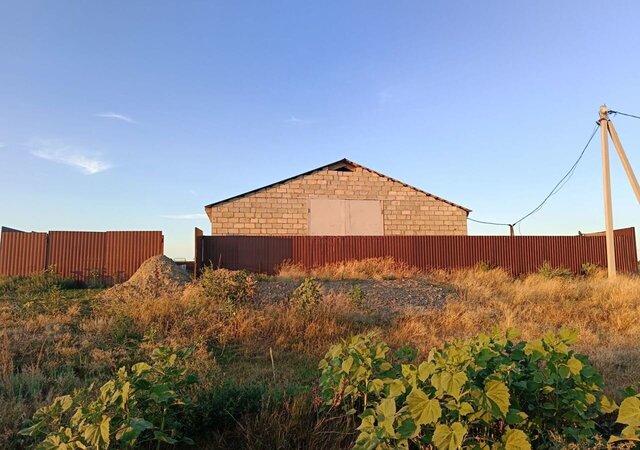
(385,297)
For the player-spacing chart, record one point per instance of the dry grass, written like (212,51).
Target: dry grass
(366,269)
(47,347)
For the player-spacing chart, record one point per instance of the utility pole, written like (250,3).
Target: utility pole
(606,179)
(607,129)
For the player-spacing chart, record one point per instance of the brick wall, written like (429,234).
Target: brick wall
(282,209)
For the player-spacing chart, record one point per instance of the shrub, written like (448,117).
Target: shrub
(481,393)
(590,270)
(307,294)
(548,271)
(137,406)
(227,285)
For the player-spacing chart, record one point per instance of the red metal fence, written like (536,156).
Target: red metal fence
(518,255)
(110,257)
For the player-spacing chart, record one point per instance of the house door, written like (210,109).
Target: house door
(333,217)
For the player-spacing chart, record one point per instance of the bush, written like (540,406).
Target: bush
(590,270)
(227,285)
(487,392)
(137,406)
(307,294)
(548,271)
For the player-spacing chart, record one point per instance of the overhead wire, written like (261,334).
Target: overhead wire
(559,185)
(624,114)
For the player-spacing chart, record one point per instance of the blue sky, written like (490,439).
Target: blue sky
(134,115)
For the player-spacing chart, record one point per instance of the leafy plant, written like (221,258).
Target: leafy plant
(589,269)
(548,271)
(227,285)
(96,279)
(486,392)
(136,406)
(307,294)
(629,415)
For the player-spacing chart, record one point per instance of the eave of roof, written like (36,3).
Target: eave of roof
(343,161)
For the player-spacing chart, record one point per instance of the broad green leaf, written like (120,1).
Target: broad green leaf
(498,393)
(104,429)
(425,369)
(575,365)
(628,434)
(367,423)
(386,411)
(533,347)
(376,385)
(512,333)
(407,429)
(449,438)
(451,384)
(396,387)
(140,368)
(385,366)
(515,440)
(423,409)
(607,405)
(568,336)
(346,364)
(410,373)
(465,408)
(515,417)
(160,436)
(629,413)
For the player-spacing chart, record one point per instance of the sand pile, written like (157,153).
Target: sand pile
(158,276)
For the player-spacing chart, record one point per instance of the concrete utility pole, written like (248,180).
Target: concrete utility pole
(606,179)
(606,129)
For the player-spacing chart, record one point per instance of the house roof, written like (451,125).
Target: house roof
(337,165)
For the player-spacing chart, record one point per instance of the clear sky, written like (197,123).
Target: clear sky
(134,115)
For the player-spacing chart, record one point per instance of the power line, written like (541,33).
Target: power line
(488,223)
(624,114)
(559,185)
(563,180)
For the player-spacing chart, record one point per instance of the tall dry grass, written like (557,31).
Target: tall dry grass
(366,269)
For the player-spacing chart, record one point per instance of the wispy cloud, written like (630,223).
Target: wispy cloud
(64,154)
(111,115)
(293,120)
(185,216)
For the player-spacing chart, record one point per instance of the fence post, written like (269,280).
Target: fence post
(197,258)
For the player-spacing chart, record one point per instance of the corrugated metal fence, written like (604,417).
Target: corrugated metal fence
(519,254)
(111,256)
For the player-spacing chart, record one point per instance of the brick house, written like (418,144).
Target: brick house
(341,198)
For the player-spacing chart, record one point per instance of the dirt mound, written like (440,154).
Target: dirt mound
(158,276)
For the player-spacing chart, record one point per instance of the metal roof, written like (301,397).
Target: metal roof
(333,166)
